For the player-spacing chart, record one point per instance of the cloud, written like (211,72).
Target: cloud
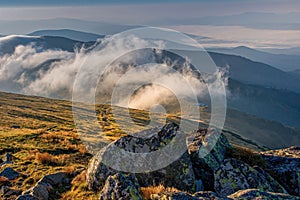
(97,71)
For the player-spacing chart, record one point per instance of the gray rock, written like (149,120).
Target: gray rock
(204,195)
(174,196)
(8,158)
(40,191)
(284,166)
(45,186)
(121,187)
(255,194)
(10,173)
(204,166)
(27,197)
(178,174)
(8,192)
(209,195)
(234,175)
(54,179)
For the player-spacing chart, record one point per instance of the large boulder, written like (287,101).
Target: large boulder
(207,152)
(121,187)
(255,194)
(178,174)
(234,175)
(284,166)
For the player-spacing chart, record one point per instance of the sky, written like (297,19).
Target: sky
(179,15)
(134,11)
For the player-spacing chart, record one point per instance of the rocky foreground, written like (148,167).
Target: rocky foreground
(226,172)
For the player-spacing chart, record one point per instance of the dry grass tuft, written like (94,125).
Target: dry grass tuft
(148,191)
(45,158)
(48,159)
(70,170)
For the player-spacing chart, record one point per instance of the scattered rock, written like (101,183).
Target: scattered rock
(234,175)
(8,159)
(10,173)
(54,179)
(27,197)
(43,189)
(8,192)
(40,191)
(208,195)
(173,196)
(121,187)
(256,194)
(204,166)
(284,165)
(204,195)
(179,174)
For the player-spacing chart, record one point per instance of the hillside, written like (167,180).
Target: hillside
(41,136)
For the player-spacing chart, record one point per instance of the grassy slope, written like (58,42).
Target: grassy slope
(41,135)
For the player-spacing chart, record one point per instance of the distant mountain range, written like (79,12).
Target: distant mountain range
(67,33)
(256,88)
(287,51)
(9,43)
(280,61)
(29,26)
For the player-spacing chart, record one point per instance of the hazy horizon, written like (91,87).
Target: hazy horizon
(258,24)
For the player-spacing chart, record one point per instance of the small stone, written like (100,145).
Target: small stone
(10,173)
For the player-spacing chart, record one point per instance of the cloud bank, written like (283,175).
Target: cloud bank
(52,73)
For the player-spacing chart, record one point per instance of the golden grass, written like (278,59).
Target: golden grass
(79,189)
(48,159)
(148,191)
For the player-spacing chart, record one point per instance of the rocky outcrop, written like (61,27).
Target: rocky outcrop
(205,157)
(284,165)
(121,187)
(255,194)
(234,175)
(178,174)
